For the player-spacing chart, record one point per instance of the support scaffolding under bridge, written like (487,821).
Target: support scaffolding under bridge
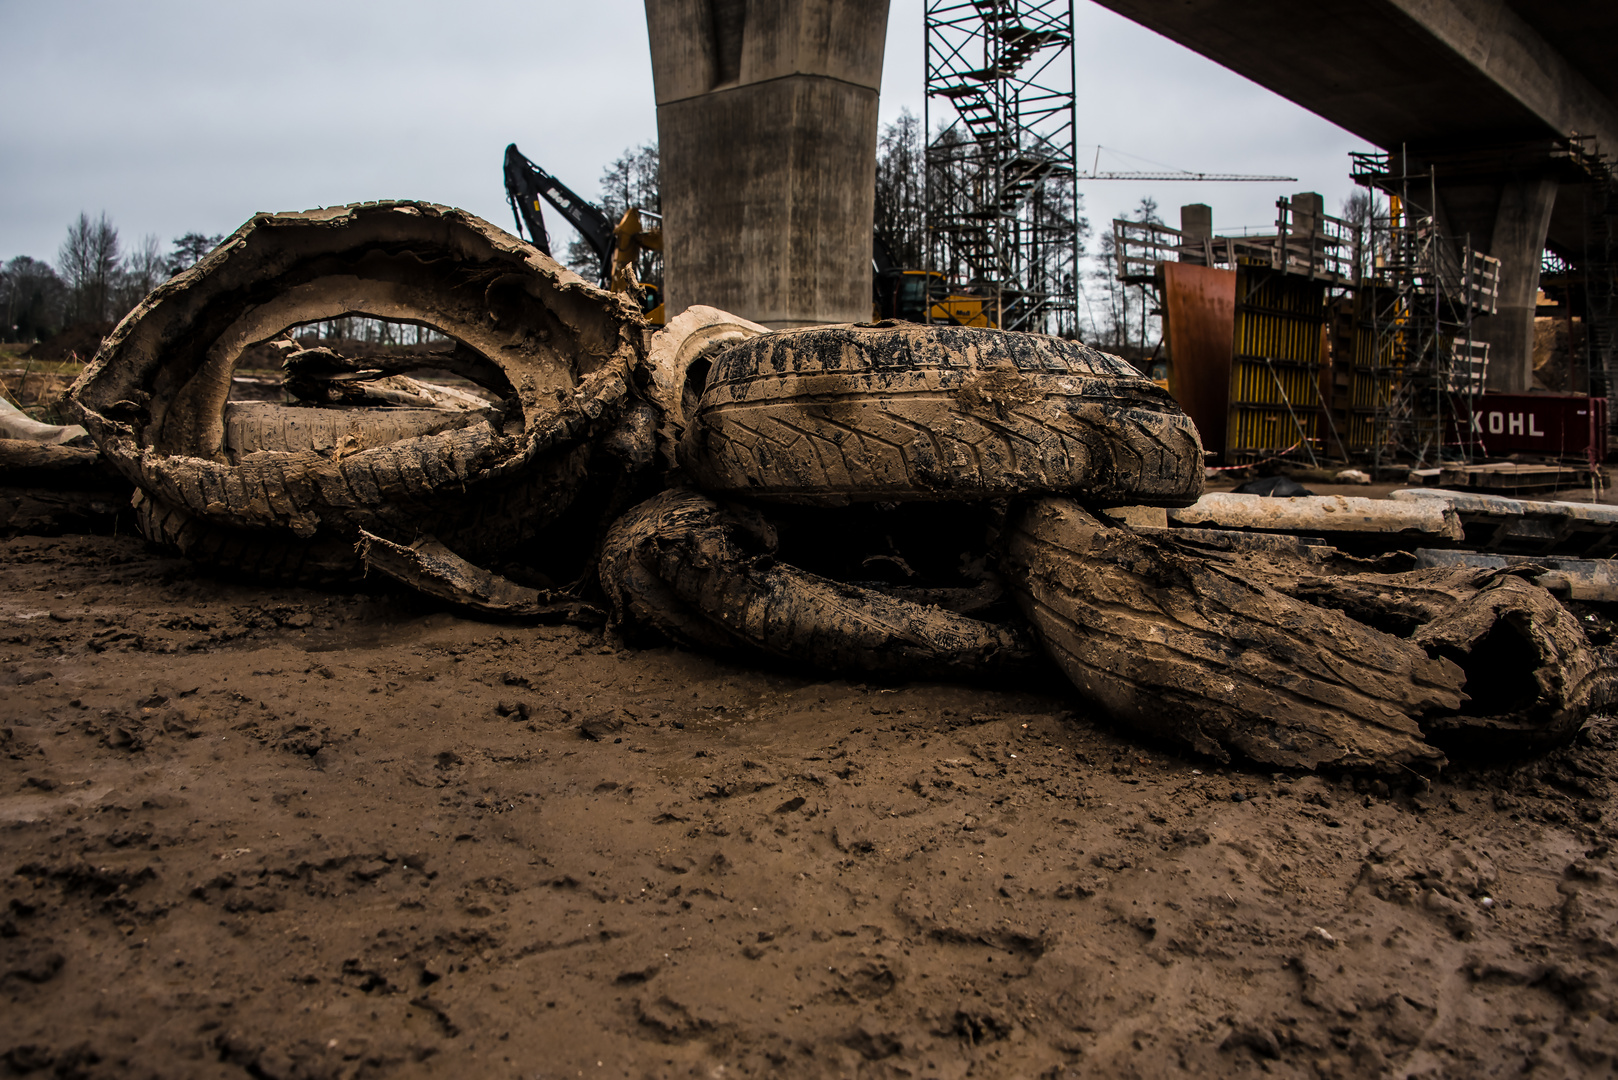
(1002,215)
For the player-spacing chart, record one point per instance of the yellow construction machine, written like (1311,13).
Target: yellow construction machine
(922,295)
(617,247)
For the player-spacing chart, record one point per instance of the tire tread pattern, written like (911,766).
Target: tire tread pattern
(1192,650)
(893,411)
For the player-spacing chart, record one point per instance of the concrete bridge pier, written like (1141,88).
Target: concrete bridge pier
(1520,227)
(766,122)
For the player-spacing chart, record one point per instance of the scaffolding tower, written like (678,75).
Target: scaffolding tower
(1001,200)
(1418,367)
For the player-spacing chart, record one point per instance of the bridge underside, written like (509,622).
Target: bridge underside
(1486,96)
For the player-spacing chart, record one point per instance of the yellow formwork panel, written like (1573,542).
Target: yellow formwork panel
(1276,363)
(1373,382)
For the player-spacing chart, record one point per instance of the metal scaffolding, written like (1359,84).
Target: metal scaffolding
(1417,365)
(1285,280)
(1001,202)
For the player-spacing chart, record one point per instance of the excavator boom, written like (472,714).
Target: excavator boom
(527,183)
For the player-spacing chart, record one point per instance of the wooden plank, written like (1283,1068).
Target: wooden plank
(1510,476)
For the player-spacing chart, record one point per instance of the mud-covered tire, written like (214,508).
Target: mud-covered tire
(684,566)
(1189,649)
(895,411)
(1240,655)
(677,364)
(154,396)
(258,426)
(1531,675)
(431,569)
(25,463)
(492,520)
(262,554)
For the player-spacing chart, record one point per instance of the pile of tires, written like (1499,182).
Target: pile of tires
(853,434)
(799,456)
(882,500)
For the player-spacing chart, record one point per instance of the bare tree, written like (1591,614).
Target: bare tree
(88,263)
(1369,214)
(143,270)
(901,189)
(1121,311)
(32,299)
(630,181)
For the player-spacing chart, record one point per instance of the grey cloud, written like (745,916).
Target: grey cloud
(176,115)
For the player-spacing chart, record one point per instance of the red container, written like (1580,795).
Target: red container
(1551,425)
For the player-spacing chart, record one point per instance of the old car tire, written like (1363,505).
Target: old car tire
(894,411)
(678,361)
(155,394)
(1531,675)
(262,554)
(1192,650)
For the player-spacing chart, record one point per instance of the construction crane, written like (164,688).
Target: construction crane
(616,247)
(1183,176)
(1095,173)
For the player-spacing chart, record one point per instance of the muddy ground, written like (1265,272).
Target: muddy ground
(279,833)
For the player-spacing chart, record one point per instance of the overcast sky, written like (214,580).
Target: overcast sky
(176,116)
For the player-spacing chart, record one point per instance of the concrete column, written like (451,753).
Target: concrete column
(1308,213)
(1196,229)
(766,122)
(1520,226)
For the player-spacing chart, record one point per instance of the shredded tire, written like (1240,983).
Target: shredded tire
(430,568)
(262,554)
(704,577)
(894,411)
(1531,676)
(1249,655)
(261,427)
(504,518)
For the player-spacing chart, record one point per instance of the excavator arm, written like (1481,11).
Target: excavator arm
(527,183)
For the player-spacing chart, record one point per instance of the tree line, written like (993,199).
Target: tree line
(94,282)
(631,180)
(945,177)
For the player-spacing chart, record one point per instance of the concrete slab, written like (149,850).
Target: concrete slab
(1525,526)
(1323,515)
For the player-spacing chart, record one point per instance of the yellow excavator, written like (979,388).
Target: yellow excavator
(617,247)
(921,295)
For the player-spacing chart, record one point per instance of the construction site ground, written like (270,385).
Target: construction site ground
(269,832)
(272,832)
